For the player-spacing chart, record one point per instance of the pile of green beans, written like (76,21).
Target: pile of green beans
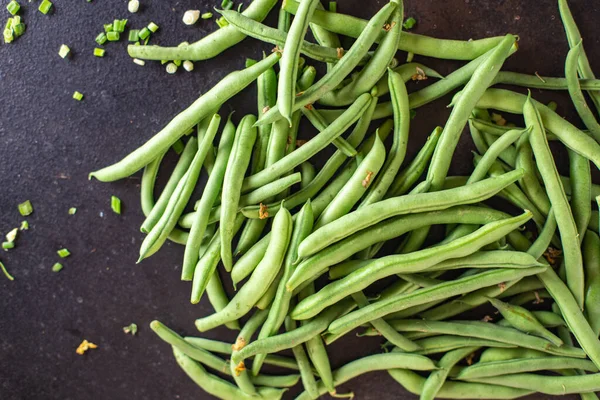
(280,222)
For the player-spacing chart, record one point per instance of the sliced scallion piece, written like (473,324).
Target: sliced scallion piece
(134,35)
(222,22)
(133,6)
(24,226)
(8,245)
(101,38)
(171,68)
(206,15)
(227,4)
(64,51)
(113,36)
(139,62)
(188,66)
(191,16)
(63,253)
(25,208)
(99,52)
(78,95)
(115,204)
(45,6)
(57,267)
(13,7)
(152,27)
(144,33)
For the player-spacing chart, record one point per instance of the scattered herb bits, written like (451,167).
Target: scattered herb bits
(113,36)
(63,253)
(139,62)
(130,329)
(333,6)
(206,15)
(227,4)
(99,52)
(8,245)
(12,235)
(25,208)
(64,51)
(45,6)
(171,68)
(134,35)
(85,346)
(144,33)
(152,27)
(5,272)
(222,22)
(78,95)
(24,226)
(57,267)
(409,23)
(188,66)
(72,211)
(115,204)
(101,38)
(190,17)
(13,7)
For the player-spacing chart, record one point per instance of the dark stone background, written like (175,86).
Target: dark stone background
(50,142)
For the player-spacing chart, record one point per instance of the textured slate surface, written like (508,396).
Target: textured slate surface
(49,143)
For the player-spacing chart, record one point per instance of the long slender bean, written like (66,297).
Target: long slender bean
(497,368)
(445,343)
(238,371)
(309,383)
(591,261)
(554,385)
(436,379)
(183,122)
(581,189)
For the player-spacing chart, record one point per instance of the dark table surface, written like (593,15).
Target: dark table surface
(50,142)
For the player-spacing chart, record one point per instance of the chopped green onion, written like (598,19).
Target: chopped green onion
(227,4)
(131,328)
(409,23)
(115,204)
(8,245)
(119,25)
(63,253)
(99,52)
(333,6)
(177,62)
(139,62)
(113,36)
(25,208)
(24,226)
(101,38)
(12,235)
(152,27)
(57,267)
(8,31)
(134,35)
(188,66)
(163,62)
(552,105)
(178,146)
(171,68)
(147,40)
(222,22)
(13,7)
(133,6)
(78,95)
(45,6)
(19,29)
(144,33)
(409,56)
(191,16)
(64,51)
(206,15)
(3,268)
(108,27)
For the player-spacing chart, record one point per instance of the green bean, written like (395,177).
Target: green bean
(558,198)
(182,123)
(496,354)
(574,37)
(342,68)
(475,88)
(398,151)
(530,182)
(418,44)
(238,370)
(374,69)
(265,33)
(486,330)
(548,319)
(374,213)
(375,362)
(356,186)
(445,343)
(309,383)
(456,390)
(207,47)
(318,122)
(147,197)
(553,385)
(405,263)
(436,379)
(387,230)
(308,173)
(569,135)
(438,292)
(218,298)
(180,197)
(408,71)
(525,321)
(302,227)
(263,276)
(498,368)
(265,301)
(225,348)
(329,169)
(541,82)
(346,268)
(239,159)
(311,147)
(210,194)
(586,115)
(581,199)
(484,164)
(286,90)
(207,264)
(216,386)
(407,177)
(595,221)
(183,164)
(591,261)
(298,336)
(535,297)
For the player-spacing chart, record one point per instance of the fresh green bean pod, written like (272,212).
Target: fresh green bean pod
(496,354)
(581,189)
(309,383)
(553,385)
(446,343)
(591,261)
(436,379)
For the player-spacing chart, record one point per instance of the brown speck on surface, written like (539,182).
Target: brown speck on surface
(299,93)
(85,346)
(538,299)
(502,286)
(551,254)
(469,359)
(308,106)
(487,318)
(264,110)
(340,52)
(241,367)
(263,211)
(367,179)
(300,142)
(517,17)
(239,344)
(420,75)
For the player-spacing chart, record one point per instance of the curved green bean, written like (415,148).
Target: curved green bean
(591,261)
(436,379)
(309,383)
(228,87)
(238,371)
(446,343)
(581,189)
(554,385)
